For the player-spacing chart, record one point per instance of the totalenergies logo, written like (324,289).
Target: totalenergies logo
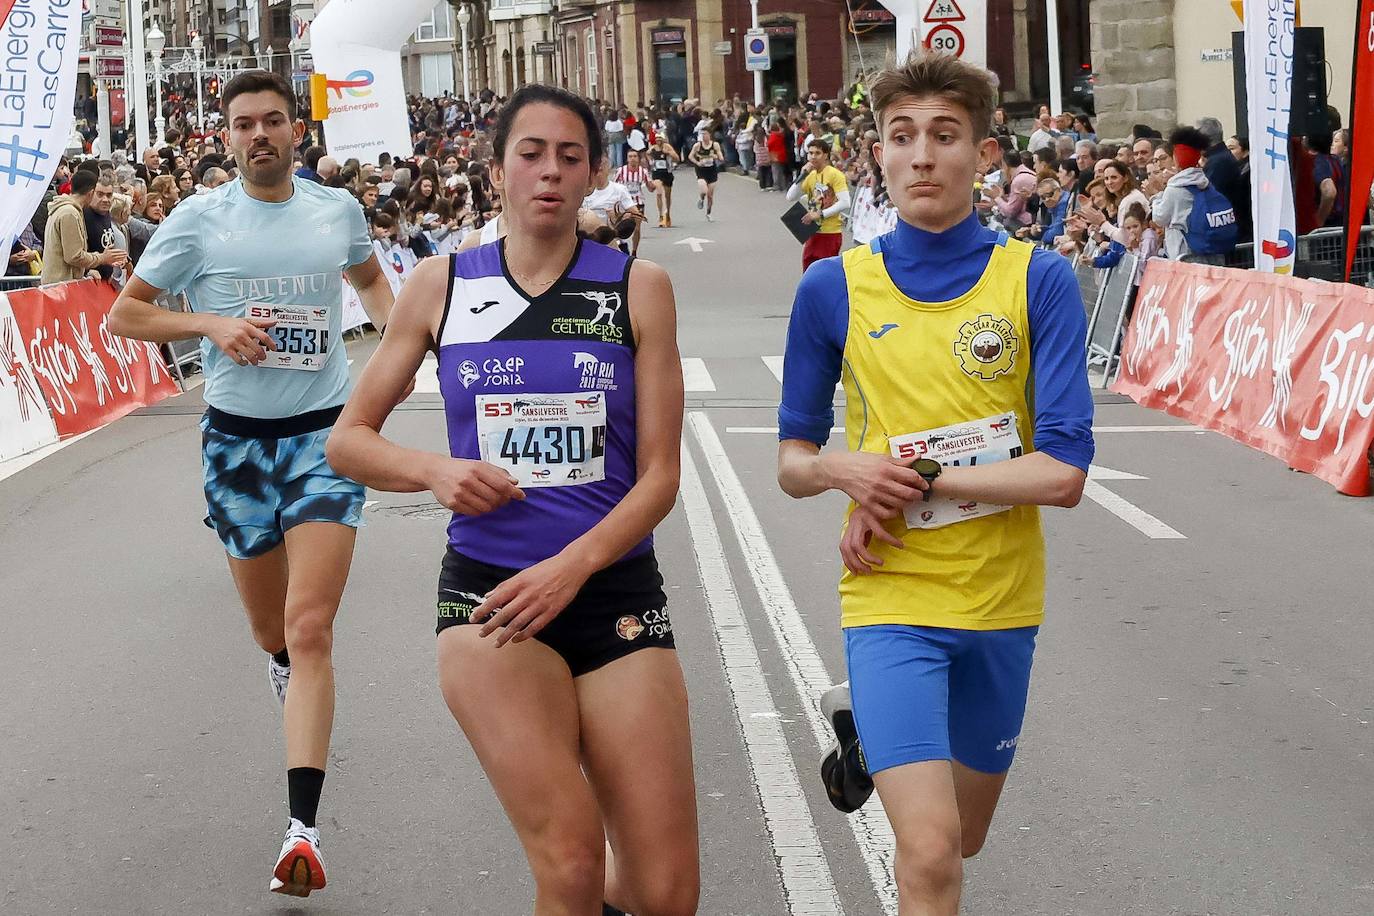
(357,84)
(1281,250)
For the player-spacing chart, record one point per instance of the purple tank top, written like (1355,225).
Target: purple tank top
(544,388)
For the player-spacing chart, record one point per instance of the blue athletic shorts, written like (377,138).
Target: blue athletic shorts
(259,486)
(930,693)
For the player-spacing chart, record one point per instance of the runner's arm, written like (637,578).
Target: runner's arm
(811,367)
(373,289)
(658,425)
(170,262)
(1054,474)
(137,315)
(356,447)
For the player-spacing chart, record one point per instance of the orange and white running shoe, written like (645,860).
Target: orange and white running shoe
(300,868)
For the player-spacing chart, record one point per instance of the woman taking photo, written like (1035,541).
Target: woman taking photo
(558,366)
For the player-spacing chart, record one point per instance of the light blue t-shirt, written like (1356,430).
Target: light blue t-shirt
(226,249)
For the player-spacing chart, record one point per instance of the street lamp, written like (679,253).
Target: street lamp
(464,17)
(156,42)
(198,48)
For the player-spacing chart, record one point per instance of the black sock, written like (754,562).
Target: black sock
(303,785)
(282,658)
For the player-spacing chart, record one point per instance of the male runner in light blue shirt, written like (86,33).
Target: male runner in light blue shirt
(260,260)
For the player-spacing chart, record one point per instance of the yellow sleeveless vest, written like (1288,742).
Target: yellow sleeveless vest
(912,367)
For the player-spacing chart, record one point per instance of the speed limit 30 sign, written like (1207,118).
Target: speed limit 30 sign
(946,39)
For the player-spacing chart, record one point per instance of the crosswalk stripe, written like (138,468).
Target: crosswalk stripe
(695,375)
(774,364)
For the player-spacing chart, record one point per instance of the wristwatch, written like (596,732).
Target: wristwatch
(929,469)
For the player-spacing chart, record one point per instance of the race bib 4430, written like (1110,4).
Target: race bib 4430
(544,440)
(976,442)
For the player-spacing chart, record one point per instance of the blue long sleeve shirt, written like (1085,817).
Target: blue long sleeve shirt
(938,267)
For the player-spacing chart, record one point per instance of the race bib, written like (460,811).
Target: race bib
(984,441)
(708,163)
(661,164)
(301,334)
(544,440)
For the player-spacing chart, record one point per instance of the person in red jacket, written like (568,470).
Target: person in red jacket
(777,150)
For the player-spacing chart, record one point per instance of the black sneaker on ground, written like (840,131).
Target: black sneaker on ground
(843,770)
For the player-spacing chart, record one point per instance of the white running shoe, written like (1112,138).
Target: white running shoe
(277,676)
(300,867)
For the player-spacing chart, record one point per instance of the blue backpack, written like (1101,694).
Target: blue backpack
(1212,225)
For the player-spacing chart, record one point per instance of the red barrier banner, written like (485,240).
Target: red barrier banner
(88,375)
(1283,365)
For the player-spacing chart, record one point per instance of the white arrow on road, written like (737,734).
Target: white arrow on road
(1129,513)
(696,243)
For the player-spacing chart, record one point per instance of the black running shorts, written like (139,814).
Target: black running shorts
(665,177)
(620,609)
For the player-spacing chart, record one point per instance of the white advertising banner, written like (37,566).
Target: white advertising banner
(358,49)
(1269,28)
(42,44)
(25,422)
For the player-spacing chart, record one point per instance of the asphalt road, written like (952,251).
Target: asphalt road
(1198,738)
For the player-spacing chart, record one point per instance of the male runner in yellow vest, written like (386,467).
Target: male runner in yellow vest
(968,406)
(826,192)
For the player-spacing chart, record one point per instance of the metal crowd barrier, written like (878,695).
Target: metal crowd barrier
(9,283)
(1321,255)
(180,354)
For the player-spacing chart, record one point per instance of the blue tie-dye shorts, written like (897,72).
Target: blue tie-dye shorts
(258,488)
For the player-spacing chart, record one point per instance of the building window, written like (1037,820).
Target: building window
(436,75)
(591,63)
(503,4)
(439,25)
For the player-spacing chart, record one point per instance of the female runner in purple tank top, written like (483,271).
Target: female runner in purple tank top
(558,365)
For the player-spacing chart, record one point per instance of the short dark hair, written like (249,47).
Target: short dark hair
(1069,165)
(83,181)
(259,81)
(537,93)
(313,155)
(1188,136)
(818,143)
(87,165)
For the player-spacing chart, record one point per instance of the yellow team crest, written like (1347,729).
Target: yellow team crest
(986,347)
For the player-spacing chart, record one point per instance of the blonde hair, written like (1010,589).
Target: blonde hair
(926,73)
(121,207)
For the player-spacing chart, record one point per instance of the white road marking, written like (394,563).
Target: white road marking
(872,832)
(806,879)
(695,375)
(1176,428)
(773,430)
(694,242)
(14,465)
(774,364)
(427,378)
(1128,512)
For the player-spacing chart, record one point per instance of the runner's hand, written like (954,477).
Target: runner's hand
(471,487)
(528,601)
(879,483)
(862,528)
(808,218)
(244,340)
